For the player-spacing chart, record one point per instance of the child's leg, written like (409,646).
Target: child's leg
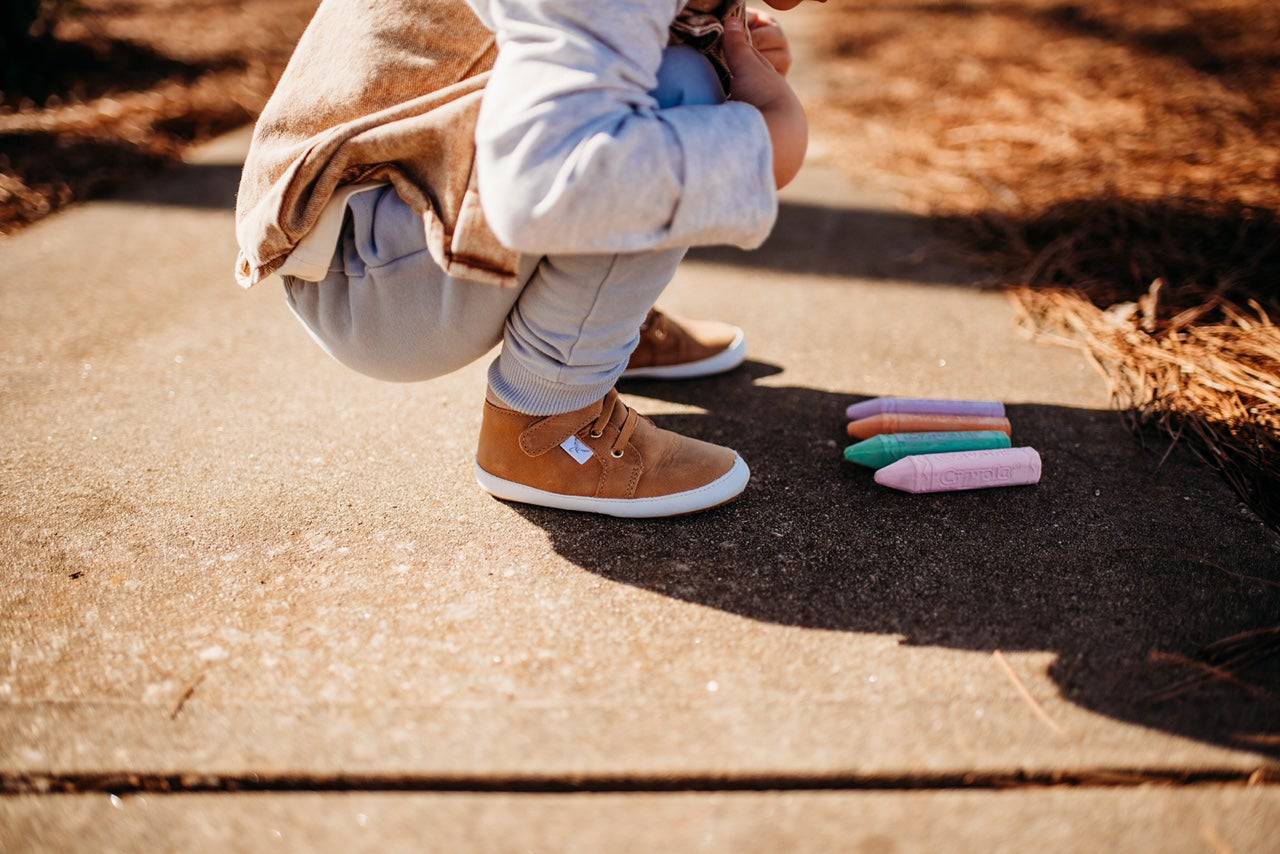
(578,318)
(554,432)
(571,332)
(686,78)
(386,309)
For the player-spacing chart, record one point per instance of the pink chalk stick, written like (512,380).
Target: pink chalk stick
(962,470)
(924,406)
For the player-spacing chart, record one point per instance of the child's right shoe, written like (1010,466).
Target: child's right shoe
(603,458)
(675,349)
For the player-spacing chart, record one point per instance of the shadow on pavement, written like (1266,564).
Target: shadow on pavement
(45,67)
(862,243)
(210,186)
(1111,558)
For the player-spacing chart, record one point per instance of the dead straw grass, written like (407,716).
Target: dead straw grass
(119,88)
(1117,165)
(1215,382)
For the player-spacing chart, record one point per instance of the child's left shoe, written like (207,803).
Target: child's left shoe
(672,349)
(604,458)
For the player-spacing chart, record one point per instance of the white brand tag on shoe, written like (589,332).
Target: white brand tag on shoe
(574,447)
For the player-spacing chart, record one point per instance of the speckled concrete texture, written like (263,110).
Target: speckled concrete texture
(228,553)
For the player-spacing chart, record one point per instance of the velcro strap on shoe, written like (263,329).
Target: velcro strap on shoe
(541,436)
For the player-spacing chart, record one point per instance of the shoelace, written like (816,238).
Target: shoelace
(629,424)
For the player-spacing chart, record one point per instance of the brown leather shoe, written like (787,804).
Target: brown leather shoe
(604,458)
(674,349)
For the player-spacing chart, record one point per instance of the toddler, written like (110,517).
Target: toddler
(433,177)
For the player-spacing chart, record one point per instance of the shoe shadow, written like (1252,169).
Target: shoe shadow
(1111,558)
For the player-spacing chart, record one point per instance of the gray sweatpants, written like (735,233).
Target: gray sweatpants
(387,310)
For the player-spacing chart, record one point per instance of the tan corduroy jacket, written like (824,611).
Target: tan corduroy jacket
(350,108)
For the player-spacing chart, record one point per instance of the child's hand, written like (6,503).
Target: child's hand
(770,40)
(757,82)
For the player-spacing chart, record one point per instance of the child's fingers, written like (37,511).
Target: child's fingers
(738,50)
(768,38)
(756,19)
(772,43)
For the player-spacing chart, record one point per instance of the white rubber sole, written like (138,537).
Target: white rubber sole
(725,360)
(720,491)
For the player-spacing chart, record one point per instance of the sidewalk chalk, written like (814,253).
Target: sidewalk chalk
(880,451)
(924,406)
(963,470)
(865,428)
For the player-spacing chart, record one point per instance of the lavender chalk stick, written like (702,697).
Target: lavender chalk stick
(924,406)
(962,470)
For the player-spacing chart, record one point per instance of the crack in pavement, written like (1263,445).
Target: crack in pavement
(119,783)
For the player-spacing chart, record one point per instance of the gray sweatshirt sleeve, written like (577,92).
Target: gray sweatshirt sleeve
(574,156)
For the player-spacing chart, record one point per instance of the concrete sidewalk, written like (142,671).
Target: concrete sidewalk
(231,563)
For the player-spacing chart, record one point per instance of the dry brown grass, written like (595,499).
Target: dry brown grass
(121,87)
(1118,165)
(1216,381)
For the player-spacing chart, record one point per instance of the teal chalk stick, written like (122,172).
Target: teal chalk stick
(887,448)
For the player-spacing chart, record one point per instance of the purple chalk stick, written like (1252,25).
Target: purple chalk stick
(924,406)
(962,470)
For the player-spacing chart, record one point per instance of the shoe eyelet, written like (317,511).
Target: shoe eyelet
(617,455)
(594,435)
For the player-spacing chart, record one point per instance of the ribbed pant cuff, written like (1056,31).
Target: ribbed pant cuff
(525,391)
